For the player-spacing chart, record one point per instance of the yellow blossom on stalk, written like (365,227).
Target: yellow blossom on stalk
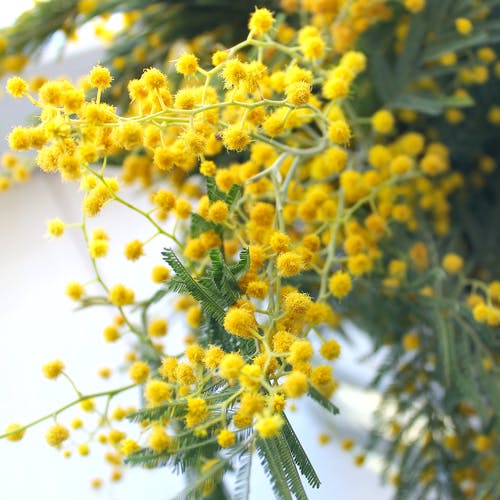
(100,77)
(226,438)
(187,64)
(56,435)
(452,263)
(261,21)
(340,284)
(53,369)
(463,25)
(55,228)
(15,429)
(16,87)
(383,121)
(268,427)
(139,372)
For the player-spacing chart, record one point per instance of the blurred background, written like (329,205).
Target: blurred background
(38,324)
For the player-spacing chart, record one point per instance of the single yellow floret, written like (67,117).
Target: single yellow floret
(15,436)
(226,438)
(452,263)
(261,21)
(298,93)
(16,87)
(340,284)
(339,132)
(330,349)
(159,274)
(56,435)
(187,64)
(295,384)
(129,446)
(157,392)
(100,77)
(411,341)
(269,426)
(218,212)
(55,228)
(139,372)
(231,365)
(159,440)
(53,369)
(74,290)
(463,26)
(289,264)
(157,327)
(241,322)
(235,139)
(383,121)
(197,411)
(134,250)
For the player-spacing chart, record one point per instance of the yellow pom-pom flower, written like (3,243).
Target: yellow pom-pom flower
(53,369)
(56,435)
(187,64)
(340,284)
(261,21)
(268,427)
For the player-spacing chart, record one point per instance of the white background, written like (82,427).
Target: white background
(37,324)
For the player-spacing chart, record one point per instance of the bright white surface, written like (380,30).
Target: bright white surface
(37,324)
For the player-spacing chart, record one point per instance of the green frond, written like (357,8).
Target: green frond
(299,454)
(277,460)
(200,225)
(322,401)
(211,303)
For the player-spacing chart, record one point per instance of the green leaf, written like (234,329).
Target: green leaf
(321,400)
(210,302)
(299,455)
(213,192)
(240,269)
(273,467)
(200,225)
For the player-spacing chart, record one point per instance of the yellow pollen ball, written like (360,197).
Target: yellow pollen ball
(100,77)
(226,438)
(55,228)
(261,21)
(383,121)
(289,264)
(187,64)
(218,212)
(56,435)
(134,250)
(15,436)
(16,87)
(235,139)
(295,384)
(452,263)
(269,426)
(463,26)
(340,284)
(241,322)
(139,372)
(53,369)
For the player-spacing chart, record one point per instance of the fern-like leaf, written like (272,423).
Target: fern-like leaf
(321,400)
(299,455)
